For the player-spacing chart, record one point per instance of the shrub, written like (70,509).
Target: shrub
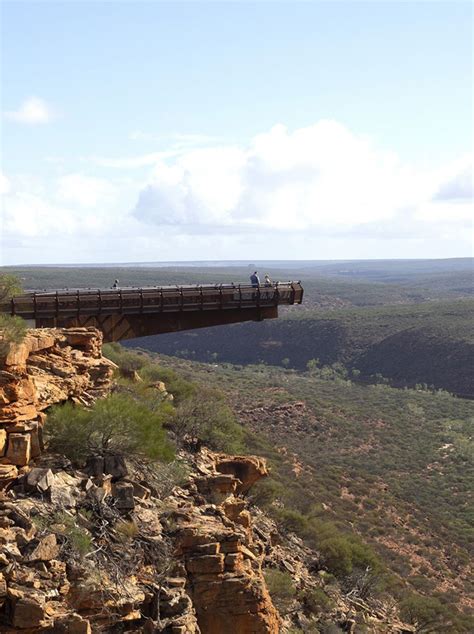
(117,424)
(205,418)
(12,330)
(337,555)
(77,538)
(315,600)
(125,359)
(128,530)
(292,520)
(281,588)
(175,384)
(426,613)
(265,492)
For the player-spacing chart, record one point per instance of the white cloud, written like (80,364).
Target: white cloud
(85,191)
(322,178)
(32,111)
(132,162)
(72,205)
(319,191)
(4,184)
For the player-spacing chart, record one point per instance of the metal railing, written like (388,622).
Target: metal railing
(144,300)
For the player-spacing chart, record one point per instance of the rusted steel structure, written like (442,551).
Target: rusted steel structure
(126,313)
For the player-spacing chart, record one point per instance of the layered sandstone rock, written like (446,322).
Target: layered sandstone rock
(213,581)
(50,366)
(221,559)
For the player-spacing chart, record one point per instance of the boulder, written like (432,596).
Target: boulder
(39,480)
(123,494)
(28,612)
(247,469)
(43,549)
(18,449)
(115,466)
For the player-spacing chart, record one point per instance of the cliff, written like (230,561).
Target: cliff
(121,543)
(50,366)
(181,563)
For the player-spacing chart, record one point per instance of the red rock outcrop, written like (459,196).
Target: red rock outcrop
(222,562)
(50,366)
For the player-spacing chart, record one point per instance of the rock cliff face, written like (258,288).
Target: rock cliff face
(185,564)
(50,366)
(223,561)
(95,549)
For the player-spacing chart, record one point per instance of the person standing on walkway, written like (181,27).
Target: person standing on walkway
(255,280)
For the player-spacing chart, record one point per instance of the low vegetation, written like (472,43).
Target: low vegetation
(374,478)
(119,424)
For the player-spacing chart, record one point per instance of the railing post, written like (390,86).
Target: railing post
(120,301)
(201,294)
(141,300)
(13,306)
(99,301)
(78,303)
(240,296)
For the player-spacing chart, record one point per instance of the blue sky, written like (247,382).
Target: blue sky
(161,131)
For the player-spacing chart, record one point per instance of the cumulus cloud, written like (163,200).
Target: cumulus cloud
(318,191)
(457,182)
(73,204)
(322,177)
(32,111)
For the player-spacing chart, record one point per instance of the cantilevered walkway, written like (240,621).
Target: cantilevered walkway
(126,313)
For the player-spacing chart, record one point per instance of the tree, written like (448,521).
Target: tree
(12,329)
(9,286)
(205,418)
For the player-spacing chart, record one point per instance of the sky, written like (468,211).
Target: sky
(154,131)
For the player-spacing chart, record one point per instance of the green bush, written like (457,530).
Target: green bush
(265,492)
(125,359)
(205,418)
(281,588)
(337,555)
(292,520)
(175,384)
(117,424)
(426,613)
(12,330)
(9,286)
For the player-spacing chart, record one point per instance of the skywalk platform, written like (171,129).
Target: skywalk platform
(126,313)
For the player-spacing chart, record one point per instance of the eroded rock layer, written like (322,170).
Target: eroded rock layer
(188,563)
(50,366)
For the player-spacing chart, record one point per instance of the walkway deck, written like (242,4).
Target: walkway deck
(125,313)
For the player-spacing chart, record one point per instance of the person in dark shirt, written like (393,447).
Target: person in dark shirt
(115,284)
(255,280)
